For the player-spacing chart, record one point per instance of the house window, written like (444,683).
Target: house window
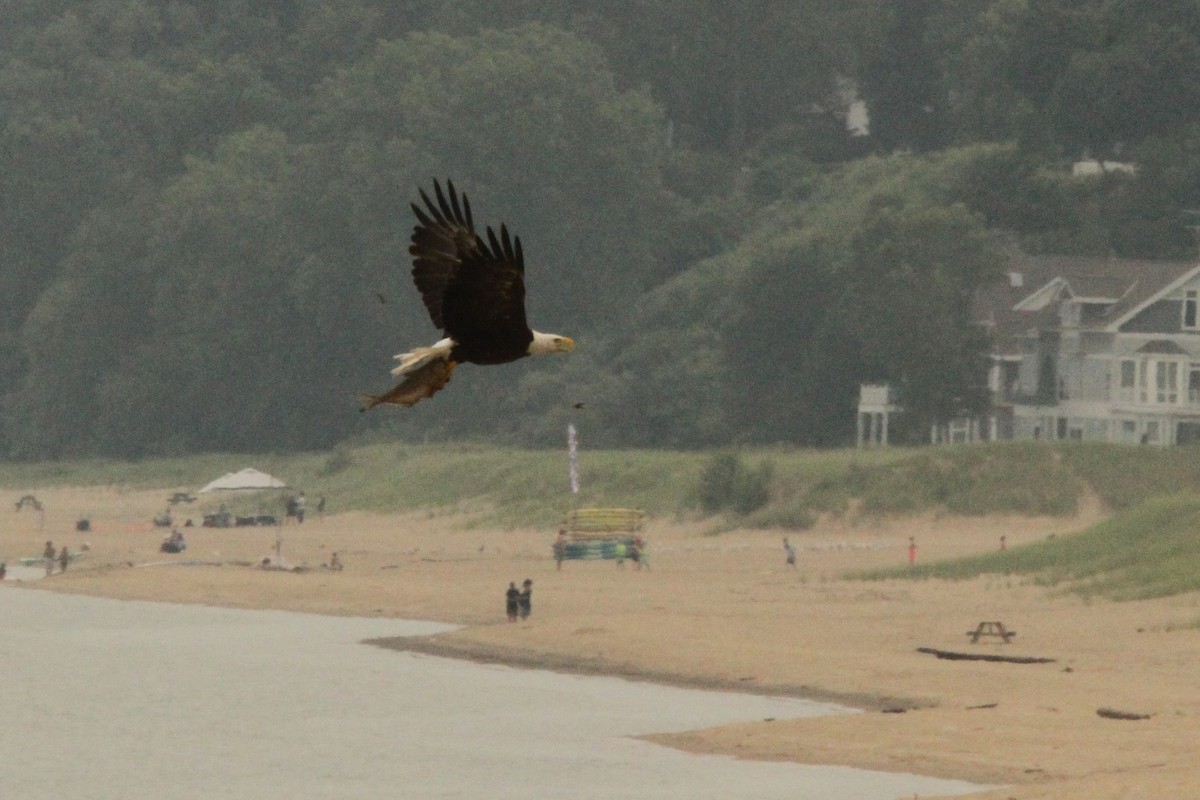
(1194,383)
(1166,382)
(1189,310)
(1143,394)
(1128,380)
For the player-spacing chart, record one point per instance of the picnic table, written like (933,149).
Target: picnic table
(996,629)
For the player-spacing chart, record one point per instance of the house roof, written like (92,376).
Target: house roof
(1162,347)
(1122,286)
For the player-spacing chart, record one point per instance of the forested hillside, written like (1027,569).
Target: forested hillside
(204,205)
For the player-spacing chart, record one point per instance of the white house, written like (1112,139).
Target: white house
(1095,350)
(1090,349)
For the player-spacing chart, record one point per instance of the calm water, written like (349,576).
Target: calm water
(108,699)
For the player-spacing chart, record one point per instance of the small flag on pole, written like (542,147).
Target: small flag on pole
(573,457)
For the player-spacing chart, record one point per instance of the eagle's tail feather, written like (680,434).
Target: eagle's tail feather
(420,356)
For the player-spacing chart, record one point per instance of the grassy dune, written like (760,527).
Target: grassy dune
(530,487)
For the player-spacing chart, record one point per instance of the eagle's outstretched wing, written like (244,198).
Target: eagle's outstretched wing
(473,289)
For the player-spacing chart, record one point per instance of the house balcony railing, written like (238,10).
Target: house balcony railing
(1015,395)
(1186,399)
(1154,398)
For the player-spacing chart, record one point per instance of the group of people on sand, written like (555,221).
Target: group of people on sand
(519,602)
(63,558)
(175,543)
(296,507)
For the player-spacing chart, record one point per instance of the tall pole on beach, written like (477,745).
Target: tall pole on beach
(573,458)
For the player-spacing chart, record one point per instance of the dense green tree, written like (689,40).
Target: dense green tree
(260,265)
(74,335)
(204,206)
(1068,77)
(910,287)
(868,279)
(725,75)
(900,82)
(787,358)
(541,133)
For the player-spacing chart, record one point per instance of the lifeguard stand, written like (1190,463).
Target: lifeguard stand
(876,404)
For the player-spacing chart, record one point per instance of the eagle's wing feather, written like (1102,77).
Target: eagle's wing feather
(472,289)
(486,301)
(444,235)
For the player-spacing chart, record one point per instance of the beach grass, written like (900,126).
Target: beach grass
(1125,476)
(514,487)
(509,487)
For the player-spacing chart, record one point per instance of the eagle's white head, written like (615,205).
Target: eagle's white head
(544,344)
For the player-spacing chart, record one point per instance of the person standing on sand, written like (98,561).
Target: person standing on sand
(912,550)
(48,557)
(525,599)
(512,601)
(790,552)
(560,549)
(64,558)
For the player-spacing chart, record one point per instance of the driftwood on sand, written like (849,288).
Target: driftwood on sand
(1112,713)
(951,655)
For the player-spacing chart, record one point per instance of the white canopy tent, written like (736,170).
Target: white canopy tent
(247,480)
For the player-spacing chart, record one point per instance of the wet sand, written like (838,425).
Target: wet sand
(726,612)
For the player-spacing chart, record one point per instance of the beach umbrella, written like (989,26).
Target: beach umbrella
(247,480)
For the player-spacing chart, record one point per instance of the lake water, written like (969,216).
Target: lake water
(107,699)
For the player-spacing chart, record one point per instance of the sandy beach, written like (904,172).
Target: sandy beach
(726,612)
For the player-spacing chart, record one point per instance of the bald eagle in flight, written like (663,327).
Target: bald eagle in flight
(474,291)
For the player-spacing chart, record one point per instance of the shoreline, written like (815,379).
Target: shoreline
(442,645)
